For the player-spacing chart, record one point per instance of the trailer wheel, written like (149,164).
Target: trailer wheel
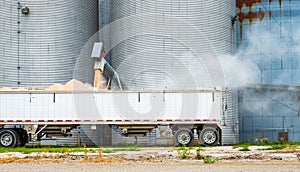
(183,136)
(8,138)
(209,136)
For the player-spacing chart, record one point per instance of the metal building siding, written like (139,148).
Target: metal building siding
(50,40)
(274,23)
(266,109)
(147,61)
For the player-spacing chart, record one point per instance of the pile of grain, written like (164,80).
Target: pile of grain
(6,89)
(72,85)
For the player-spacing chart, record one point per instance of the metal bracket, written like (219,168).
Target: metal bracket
(39,131)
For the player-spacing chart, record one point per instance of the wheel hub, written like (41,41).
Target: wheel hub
(209,137)
(184,138)
(6,139)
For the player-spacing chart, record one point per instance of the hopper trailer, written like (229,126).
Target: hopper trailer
(191,114)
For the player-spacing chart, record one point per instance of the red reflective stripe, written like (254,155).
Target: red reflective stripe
(59,121)
(118,120)
(205,120)
(127,120)
(159,120)
(169,120)
(109,120)
(68,120)
(27,120)
(41,120)
(10,121)
(1,120)
(19,121)
(137,120)
(100,121)
(197,120)
(146,120)
(77,120)
(50,120)
(178,120)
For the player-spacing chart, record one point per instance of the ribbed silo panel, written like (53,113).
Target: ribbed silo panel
(156,61)
(49,41)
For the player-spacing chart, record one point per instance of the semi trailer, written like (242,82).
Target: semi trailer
(34,114)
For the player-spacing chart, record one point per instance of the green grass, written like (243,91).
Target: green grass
(244,146)
(271,145)
(28,150)
(276,147)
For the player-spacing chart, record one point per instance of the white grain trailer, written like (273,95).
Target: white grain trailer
(30,115)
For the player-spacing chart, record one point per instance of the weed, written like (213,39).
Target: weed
(198,154)
(100,152)
(183,152)
(85,152)
(244,146)
(264,141)
(209,160)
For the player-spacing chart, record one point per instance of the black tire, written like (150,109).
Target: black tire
(209,136)
(183,136)
(9,138)
(23,137)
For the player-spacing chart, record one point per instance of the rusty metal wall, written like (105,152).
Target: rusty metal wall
(268,34)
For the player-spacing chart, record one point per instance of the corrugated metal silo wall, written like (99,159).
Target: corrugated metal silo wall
(41,48)
(153,61)
(230,131)
(268,33)
(104,21)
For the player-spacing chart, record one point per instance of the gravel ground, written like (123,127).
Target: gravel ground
(155,159)
(131,167)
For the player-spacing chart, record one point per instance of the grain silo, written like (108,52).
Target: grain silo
(165,45)
(40,40)
(163,37)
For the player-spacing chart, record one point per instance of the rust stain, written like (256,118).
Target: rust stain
(239,4)
(280,2)
(248,3)
(251,16)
